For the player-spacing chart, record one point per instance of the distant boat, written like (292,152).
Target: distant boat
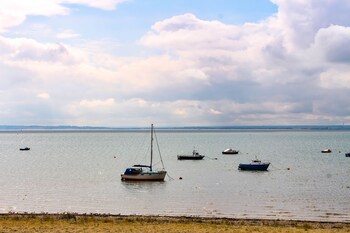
(25,148)
(22,148)
(195,156)
(347,154)
(326,151)
(142,172)
(230,151)
(255,165)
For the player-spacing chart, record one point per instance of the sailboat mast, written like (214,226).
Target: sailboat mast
(151,147)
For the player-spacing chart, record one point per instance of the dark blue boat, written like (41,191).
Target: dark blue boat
(255,165)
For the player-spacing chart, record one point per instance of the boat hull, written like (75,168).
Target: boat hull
(23,149)
(230,153)
(189,157)
(254,167)
(145,176)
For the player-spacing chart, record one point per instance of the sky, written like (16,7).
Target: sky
(126,63)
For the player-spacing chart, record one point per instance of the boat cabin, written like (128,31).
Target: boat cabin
(230,151)
(133,171)
(136,169)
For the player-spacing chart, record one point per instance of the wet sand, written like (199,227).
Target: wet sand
(117,223)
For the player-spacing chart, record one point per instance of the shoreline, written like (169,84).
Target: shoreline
(74,215)
(74,222)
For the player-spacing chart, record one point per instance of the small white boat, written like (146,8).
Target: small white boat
(326,151)
(141,172)
(230,151)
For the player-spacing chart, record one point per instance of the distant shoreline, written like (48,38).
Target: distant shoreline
(38,128)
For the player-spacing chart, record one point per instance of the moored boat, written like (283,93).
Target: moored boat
(230,151)
(347,154)
(140,172)
(195,156)
(255,165)
(24,148)
(326,151)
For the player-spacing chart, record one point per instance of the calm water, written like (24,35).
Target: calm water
(80,172)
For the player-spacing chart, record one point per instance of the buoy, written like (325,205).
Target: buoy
(288,168)
(180,178)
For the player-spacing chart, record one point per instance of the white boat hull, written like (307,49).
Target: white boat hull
(145,176)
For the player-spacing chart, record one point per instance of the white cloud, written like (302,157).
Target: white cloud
(14,12)
(94,104)
(300,20)
(20,49)
(291,68)
(67,34)
(187,32)
(44,95)
(336,79)
(333,42)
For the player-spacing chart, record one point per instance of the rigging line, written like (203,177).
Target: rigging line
(161,159)
(145,144)
(142,142)
(170,178)
(278,168)
(146,155)
(211,158)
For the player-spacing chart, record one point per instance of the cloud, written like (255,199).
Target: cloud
(291,68)
(335,79)
(301,20)
(67,34)
(333,41)
(44,95)
(14,12)
(187,32)
(290,57)
(28,49)
(102,4)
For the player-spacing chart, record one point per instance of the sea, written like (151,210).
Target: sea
(78,171)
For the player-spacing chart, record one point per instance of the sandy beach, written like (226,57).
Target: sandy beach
(117,223)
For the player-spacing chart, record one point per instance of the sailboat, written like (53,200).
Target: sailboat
(140,172)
